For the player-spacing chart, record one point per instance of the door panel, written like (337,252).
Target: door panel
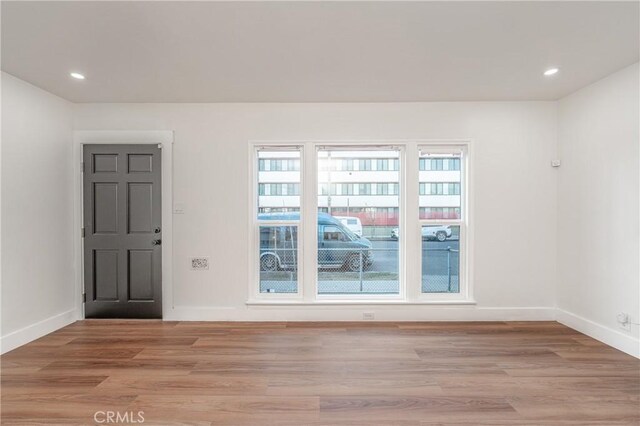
(140,275)
(140,207)
(105,163)
(123,234)
(105,206)
(105,281)
(140,163)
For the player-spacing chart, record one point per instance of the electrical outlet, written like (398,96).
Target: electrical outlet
(368,316)
(623,321)
(199,263)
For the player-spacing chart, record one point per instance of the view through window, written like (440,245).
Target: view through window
(279,219)
(358,211)
(440,195)
(355,239)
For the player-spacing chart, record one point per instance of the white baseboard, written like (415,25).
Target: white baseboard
(34,331)
(355,313)
(606,335)
(614,338)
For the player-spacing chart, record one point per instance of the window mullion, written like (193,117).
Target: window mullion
(410,230)
(309,222)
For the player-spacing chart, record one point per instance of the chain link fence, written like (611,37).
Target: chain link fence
(440,270)
(279,270)
(340,271)
(359,270)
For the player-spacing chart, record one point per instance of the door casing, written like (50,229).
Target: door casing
(164,139)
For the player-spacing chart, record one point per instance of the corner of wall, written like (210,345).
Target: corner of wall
(598,129)
(36,129)
(37,330)
(614,338)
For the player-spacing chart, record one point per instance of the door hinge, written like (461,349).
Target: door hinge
(84,297)
(82,232)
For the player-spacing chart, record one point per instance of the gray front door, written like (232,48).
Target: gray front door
(123,231)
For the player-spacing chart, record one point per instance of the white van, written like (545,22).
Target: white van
(353,223)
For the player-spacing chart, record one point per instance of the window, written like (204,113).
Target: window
(439,188)
(439,212)
(278,259)
(357,256)
(440,259)
(364,189)
(347,237)
(452,164)
(278,164)
(442,225)
(364,164)
(278,183)
(293,189)
(347,189)
(333,233)
(347,164)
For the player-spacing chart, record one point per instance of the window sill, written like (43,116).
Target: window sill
(357,302)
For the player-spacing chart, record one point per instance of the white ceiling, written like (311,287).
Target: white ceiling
(316,51)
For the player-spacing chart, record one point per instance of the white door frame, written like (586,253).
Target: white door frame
(164,139)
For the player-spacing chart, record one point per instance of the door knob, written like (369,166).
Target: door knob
(157,230)
(156,242)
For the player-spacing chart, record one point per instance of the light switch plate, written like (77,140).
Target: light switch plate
(178,208)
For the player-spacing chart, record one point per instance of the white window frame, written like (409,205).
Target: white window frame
(255,224)
(313,208)
(410,245)
(466,289)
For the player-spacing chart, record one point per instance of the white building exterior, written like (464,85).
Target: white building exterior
(360,183)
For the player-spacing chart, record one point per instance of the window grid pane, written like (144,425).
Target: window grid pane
(440,186)
(278,184)
(440,259)
(278,259)
(356,252)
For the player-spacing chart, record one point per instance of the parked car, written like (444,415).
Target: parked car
(352,223)
(338,246)
(440,233)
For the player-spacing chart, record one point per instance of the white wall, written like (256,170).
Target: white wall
(515,195)
(598,254)
(542,235)
(37,213)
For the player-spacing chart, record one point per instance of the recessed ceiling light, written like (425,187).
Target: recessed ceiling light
(551,71)
(77,75)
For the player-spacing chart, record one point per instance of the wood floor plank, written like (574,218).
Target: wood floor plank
(114,342)
(181,385)
(63,407)
(337,373)
(352,385)
(605,407)
(509,386)
(178,407)
(32,384)
(413,408)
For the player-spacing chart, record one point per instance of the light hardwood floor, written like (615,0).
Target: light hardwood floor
(198,373)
